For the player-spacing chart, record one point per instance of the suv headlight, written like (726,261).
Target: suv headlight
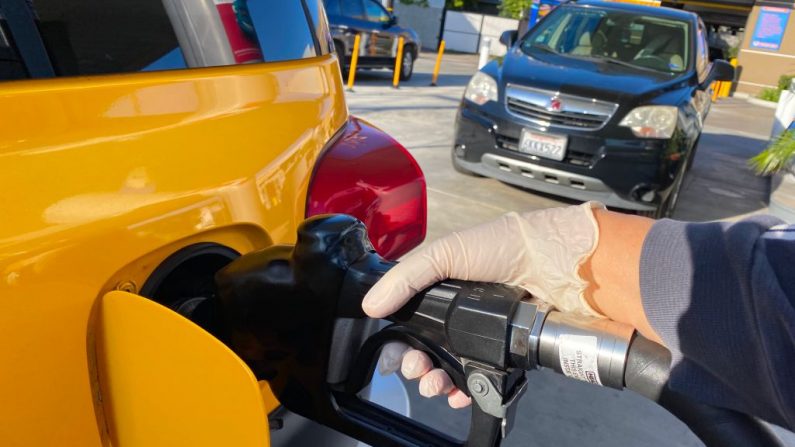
(481,89)
(652,121)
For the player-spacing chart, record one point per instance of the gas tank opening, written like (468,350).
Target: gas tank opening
(185,282)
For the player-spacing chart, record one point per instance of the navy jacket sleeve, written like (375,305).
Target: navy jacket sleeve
(722,297)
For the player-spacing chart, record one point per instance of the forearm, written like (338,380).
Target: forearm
(613,271)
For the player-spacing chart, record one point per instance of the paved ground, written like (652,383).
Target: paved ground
(556,411)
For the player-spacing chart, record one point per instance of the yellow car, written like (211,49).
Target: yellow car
(144,146)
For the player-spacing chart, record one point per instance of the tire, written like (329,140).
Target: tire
(654,214)
(673,197)
(407,64)
(339,47)
(692,155)
(667,207)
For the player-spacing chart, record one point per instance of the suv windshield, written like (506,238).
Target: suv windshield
(635,40)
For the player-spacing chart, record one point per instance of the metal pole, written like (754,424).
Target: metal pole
(485,48)
(398,64)
(354,60)
(441,26)
(438,64)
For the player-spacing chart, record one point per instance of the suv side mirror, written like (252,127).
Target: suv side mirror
(721,71)
(508,38)
(393,20)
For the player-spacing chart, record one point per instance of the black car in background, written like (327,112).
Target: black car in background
(379,35)
(599,101)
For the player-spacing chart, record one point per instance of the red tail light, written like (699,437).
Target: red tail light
(369,175)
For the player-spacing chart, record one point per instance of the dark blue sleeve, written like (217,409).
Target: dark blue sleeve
(722,297)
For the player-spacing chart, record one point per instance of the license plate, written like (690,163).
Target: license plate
(543,145)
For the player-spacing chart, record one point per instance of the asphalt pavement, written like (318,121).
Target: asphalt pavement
(556,411)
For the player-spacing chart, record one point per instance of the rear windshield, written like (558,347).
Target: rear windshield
(634,40)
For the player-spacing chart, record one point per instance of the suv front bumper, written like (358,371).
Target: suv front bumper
(550,181)
(598,166)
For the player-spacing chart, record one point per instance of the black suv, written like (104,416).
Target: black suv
(379,33)
(599,101)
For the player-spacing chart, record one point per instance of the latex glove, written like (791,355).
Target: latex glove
(540,251)
(414,364)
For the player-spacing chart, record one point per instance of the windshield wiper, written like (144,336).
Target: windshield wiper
(610,60)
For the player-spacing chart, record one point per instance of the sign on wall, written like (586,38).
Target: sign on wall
(770,27)
(540,8)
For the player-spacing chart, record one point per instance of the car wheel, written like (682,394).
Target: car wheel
(676,189)
(691,156)
(339,47)
(407,65)
(460,169)
(667,207)
(653,214)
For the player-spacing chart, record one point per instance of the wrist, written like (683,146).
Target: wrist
(612,273)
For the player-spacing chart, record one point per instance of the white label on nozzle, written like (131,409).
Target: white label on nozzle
(578,355)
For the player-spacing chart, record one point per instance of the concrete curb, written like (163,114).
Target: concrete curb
(782,197)
(762,103)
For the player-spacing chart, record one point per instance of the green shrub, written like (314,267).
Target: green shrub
(784,82)
(769,94)
(773,94)
(777,156)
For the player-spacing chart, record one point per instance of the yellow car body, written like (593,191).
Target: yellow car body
(103,179)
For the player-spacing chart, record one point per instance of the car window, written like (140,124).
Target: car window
(282,29)
(702,53)
(634,40)
(333,7)
(376,12)
(89,37)
(320,21)
(10,63)
(353,8)
(104,36)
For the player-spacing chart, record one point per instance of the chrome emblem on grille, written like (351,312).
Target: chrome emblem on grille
(555,104)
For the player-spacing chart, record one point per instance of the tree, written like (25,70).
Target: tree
(514,8)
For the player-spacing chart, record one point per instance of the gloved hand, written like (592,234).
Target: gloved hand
(540,251)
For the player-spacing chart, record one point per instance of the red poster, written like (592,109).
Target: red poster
(239,31)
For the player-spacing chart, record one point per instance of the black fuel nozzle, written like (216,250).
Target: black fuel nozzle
(293,313)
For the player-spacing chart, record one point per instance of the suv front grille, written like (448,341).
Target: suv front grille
(551,109)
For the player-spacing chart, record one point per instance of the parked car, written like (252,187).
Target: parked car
(126,184)
(379,31)
(599,101)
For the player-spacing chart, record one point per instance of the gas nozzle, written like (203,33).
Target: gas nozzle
(586,348)
(503,326)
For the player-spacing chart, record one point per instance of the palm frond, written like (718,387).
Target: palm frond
(775,157)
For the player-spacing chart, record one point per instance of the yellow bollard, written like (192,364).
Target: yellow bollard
(438,64)
(354,60)
(715,87)
(726,87)
(398,63)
